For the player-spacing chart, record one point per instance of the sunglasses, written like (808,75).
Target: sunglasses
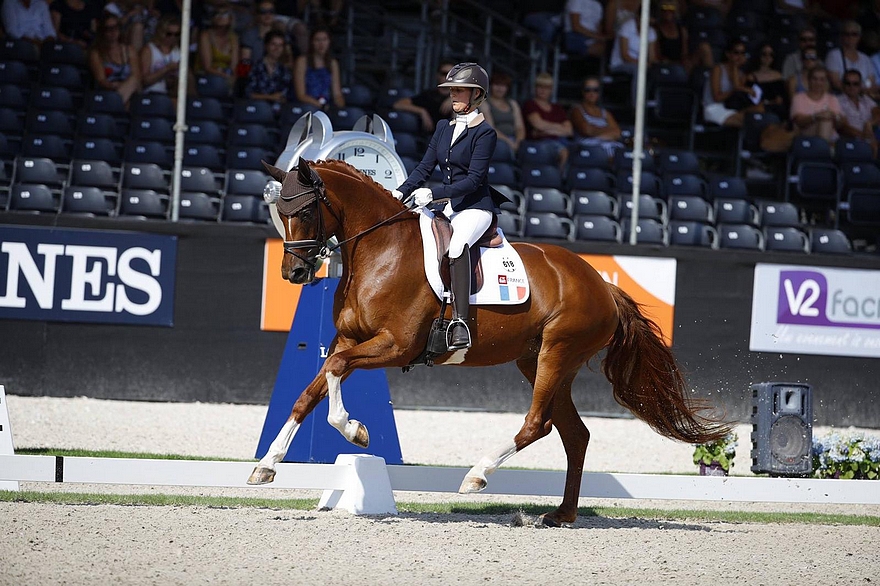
(808,39)
(810,57)
(738,52)
(591,89)
(266,11)
(852,83)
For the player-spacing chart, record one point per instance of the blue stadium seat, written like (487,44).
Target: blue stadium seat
(50,122)
(51,146)
(148,151)
(245,182)
(204,108)
(828,241)
(691,208)
(213,86)
(90,201)
(588,156)
(503,152)
(93,174)
(147,176)
(105,102)
(541,176)
(591,227)
(863,206)
(359,95)
(678,162)
(728,188)
(199,179)
(779,214)
(98,125)
(143,204)
(39,170)
(546,225)
(785,239)
(547,199)
(153,106)
(736,211)
(402,121)
(510,223)
(205,132)
(53,98)
(64,75)
(14,72)
(203,155)
(853,150)
(14,97)
(55,51)
(650,184)
(244,208)
(253,112)
(740,236)
(648,231)
(592,179)
(153,129)
(407,145)
(199,206)
(686,233)
(33,197)
(593,203)
(684,184)
(250,135)
(345,118)
(538,153)
(248,157)
(503,174)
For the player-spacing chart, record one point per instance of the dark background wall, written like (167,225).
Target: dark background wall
(216,351)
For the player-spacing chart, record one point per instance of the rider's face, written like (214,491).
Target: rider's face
(461,96)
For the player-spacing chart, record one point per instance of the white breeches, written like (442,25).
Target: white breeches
(467,227)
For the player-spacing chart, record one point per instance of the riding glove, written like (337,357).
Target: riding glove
(397,195)
(272,191)
(422,197)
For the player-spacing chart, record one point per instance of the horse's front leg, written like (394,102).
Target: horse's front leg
(376,352)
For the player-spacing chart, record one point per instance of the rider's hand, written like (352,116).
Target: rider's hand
(272,191)
(422,197)
(397,195)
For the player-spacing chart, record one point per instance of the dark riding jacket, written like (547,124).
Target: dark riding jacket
(464,166)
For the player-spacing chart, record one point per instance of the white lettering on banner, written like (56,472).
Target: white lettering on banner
(612,278)
(21,261)
(137,280)
(797,304)
(81,276)
(83,279)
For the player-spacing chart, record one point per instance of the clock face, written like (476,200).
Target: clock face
(372,158)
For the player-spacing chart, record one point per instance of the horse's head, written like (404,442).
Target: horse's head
(299,207)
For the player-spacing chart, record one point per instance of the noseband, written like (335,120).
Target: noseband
(290,205)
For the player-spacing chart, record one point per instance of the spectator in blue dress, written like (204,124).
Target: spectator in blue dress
(270,80)
(316,74)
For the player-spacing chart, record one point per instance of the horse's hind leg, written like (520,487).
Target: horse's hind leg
(575,437)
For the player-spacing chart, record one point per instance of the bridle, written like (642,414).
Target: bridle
(290,205)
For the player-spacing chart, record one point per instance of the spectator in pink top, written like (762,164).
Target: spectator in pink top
(546,120)
(816,112)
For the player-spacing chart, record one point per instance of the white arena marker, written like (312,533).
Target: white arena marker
(7,447)
(368,491)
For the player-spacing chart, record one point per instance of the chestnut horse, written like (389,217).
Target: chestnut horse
(384,308)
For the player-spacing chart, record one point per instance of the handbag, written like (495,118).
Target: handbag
(776,138)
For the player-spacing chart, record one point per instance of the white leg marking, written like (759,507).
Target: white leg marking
(337,416)
(475,479)
(456,357)
(279,446)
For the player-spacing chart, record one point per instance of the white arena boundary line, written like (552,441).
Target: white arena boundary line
(364,484)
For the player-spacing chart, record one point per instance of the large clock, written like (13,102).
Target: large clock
(369,147)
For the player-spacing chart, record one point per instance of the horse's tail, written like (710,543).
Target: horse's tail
(647,381)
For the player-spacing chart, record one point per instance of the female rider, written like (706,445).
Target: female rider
(462,147)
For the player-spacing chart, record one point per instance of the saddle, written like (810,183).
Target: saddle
(442,228)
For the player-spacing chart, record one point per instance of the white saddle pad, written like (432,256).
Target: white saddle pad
(504,277)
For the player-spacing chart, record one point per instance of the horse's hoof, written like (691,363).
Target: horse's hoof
(549,521)
(361,436)
(472,484)
(261,475)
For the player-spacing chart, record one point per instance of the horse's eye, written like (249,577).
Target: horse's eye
(306,215)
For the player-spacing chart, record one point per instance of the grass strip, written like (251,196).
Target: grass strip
(475,509)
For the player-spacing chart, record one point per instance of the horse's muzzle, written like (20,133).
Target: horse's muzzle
(300,275)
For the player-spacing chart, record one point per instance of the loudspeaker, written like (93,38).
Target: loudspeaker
(782,429)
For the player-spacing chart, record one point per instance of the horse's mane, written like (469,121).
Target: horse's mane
(346,169)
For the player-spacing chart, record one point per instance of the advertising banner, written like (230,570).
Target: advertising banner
(816,310)
(53,274)
(650,281)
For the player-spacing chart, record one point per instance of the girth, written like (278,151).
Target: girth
(442,228)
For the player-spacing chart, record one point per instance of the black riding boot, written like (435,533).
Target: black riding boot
(459,336)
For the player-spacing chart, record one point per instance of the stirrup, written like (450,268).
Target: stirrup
(460,344)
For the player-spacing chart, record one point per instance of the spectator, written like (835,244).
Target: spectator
(774,90)
(268,19)
(793,64)
(137,18)
(545,22)
(672,41)
(218,46)
(325,13)
(546,120)
(625,54)
(816,112)
(584,34)
(593,124)
(114,65)
(270,80)
(848,57)
(75,21)
(503,113)
(160,58)
(316,74)
(799,82)
(860,113)
(28,19)
(433,104)
(619,12)
(728,96)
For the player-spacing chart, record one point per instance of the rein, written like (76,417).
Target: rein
(319,243)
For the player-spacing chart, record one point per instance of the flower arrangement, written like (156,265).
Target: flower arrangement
(719,453)
(846,455)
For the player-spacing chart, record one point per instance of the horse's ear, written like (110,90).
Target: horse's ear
(274,172)
(305,172)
